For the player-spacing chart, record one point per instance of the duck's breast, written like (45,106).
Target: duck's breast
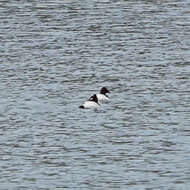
(102,97)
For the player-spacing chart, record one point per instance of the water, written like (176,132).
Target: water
(54,55)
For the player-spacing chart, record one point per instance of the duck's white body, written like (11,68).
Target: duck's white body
(90,104)
(102,97)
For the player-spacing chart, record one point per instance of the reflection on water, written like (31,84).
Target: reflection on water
(55,55)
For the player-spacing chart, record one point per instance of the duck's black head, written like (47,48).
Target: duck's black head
(104,90)
(93,98)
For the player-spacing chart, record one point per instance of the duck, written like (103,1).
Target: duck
(102,95)
(92,102)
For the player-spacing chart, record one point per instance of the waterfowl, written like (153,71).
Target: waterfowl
(91,103)
(102,95)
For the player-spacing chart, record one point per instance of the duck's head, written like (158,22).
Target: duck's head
(104,90)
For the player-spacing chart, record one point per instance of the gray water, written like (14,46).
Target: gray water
(55,54)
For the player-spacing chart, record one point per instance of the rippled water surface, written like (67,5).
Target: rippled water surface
(55,54)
